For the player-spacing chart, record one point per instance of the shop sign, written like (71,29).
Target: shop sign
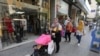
(92,10)
(62,7)
(88,5)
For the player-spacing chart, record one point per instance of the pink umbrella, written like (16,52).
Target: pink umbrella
(43,39)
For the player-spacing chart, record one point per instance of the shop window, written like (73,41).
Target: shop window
(35,2)
(45,3)
(21,0)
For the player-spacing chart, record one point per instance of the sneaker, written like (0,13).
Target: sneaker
(28,55)
(78,44)
(65,40)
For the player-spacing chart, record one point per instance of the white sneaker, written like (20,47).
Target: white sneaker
(78,44)
(28,55)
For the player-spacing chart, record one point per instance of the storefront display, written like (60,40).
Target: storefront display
(45,3)
(95,43)
(0,36)
(9,27)
(43,21)
(36,23)
(45,12)
(62,7)
(3,9)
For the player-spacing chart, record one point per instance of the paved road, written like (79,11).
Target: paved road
(67,49)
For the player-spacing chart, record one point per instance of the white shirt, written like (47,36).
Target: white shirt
(79,33)
(24,22)
(66,22)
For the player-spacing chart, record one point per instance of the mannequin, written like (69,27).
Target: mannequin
(24,25)
(9,27)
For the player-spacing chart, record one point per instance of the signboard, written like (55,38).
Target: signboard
(93,10)
(62,7)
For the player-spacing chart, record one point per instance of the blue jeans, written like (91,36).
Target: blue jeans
(79,38)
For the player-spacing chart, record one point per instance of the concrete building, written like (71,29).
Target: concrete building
(92,14)
(3,7)
(45,10)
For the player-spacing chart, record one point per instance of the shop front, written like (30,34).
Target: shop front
(62,10)
(3,8)
(75,15)
(26,22)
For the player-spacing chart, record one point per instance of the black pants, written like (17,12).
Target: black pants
(57,40)
(68,35)
(21,32)
(57,46)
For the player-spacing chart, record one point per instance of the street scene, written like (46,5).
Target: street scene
(67,49)
(49,27)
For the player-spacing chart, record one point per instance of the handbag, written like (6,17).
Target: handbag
(51,47)
(74,29)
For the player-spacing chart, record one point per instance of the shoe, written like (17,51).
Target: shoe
(56,51)
(68,41)
(78,44)
(65,40)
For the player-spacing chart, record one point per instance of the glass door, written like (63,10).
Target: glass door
(43,21)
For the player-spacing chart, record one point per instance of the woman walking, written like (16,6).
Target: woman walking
(80,31)
(69,28)
(56,33)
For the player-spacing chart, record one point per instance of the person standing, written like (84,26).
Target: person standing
(65,23)
(66,20)
(69,28)
(80,31)
(56,33)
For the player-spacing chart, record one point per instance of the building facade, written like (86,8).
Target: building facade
(36,13)
(40,13)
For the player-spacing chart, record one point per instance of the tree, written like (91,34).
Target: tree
(98,1)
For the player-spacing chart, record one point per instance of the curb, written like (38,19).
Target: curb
(16,45)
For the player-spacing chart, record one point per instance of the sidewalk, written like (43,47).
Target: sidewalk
(19,44)
(66,49)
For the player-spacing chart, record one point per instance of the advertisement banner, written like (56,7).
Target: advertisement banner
(62,7)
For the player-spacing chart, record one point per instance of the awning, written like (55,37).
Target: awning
(84,6)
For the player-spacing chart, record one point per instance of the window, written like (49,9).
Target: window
(21,0)
(35,2)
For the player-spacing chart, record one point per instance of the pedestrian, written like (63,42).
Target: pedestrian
(65,23)
(56,33)
(66,20)
(69,28)
(80,31)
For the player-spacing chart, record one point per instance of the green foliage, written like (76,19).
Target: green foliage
(98,1)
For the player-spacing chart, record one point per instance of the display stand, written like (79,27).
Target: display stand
(95,43)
